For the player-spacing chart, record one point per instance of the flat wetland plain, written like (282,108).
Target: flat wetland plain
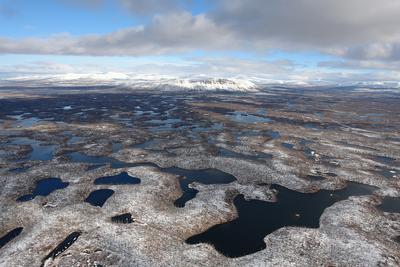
(107,176)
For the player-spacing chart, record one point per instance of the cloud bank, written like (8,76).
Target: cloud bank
(363,29)
(362,34)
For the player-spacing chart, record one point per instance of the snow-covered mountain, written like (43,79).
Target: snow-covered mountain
(133,81)
(169,83)
(206,84)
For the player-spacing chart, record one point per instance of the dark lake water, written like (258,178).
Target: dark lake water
(385,160)
(288,146)
(274,134)
(39,151)
(27,122)
(44,187)
(123,218)
(257,218)
(116,146)
(63,246)
(205,176)
(386,172)
(120,179)
(390,204)
(99,197)
(10,236)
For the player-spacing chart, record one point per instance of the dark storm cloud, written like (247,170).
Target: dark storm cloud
(148,7)
(375,51)
(136,7)
(312,22)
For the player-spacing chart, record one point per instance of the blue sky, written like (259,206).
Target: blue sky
(46,17)
(253,38)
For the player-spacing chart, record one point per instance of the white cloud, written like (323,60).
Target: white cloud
(363,33)
(354,28)
(171,33)
(83,3)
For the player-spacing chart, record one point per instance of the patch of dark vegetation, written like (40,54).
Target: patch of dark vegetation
(245,235)
(63,246)
(99,197)
(44,188)
(305,142)
(247,118)
(120,179)
(146,144)
(219,110)
(98,161)
(316,177)
(223,152)
(123,218)
(18,169)
(331,174)
(10,236)
(312,125)
(306,124)
(356,146)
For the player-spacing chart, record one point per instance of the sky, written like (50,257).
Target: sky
(335,41)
